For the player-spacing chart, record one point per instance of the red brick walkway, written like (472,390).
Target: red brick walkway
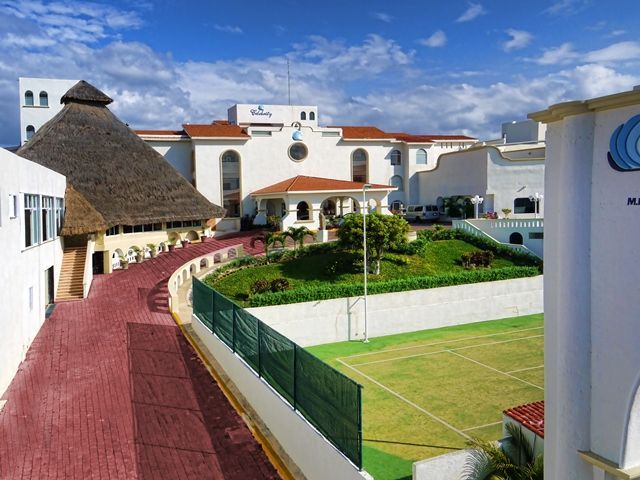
(110,389)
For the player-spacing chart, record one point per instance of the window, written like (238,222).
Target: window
(396,157)
(359,162)
(515,238)
(303,115)
(298,151)
(31,219)
(536,235)
(59,214)
(31,130)
(115,230)
(312,115)
(303,211)
(396,181)
(13,206)
(44,99)
(28,98)
(231,183)
(48,219)
(396,206)
(421,157)
(524,205)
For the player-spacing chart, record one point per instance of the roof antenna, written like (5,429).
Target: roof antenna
(288,81)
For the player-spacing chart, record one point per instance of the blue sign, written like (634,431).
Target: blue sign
(624,146)
(260,112)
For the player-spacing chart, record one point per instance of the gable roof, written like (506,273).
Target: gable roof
(351,132)
(111,169)
(303,183)
(214,130)
(530,415)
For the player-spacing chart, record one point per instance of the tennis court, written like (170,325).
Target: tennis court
(426,393)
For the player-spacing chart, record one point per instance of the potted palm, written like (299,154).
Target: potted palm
(184,243)
(172,244)
(124,263)
(139,254)
(152,249)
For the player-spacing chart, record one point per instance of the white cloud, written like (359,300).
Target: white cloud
(558,55)
(565,54)
(617,33)
(566,7)
(519,39)
(437,39)
(383,17)
(472,12)
(228,28)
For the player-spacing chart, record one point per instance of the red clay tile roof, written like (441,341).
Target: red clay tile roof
(160,132)
(214,130)
(374,133)
(302,183)
(530,415)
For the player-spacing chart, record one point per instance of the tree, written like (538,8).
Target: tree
(267,239)
(515,459)
(384,232)
(298,234)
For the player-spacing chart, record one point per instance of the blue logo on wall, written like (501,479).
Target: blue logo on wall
(624,146)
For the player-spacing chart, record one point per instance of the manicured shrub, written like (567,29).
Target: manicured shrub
(477,259)
(260,286)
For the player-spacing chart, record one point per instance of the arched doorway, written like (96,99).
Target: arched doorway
(516,238)
(302,211)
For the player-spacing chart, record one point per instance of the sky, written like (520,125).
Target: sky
(455,67)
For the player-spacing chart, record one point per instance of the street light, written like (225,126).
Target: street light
(364,233)
(477,201)
(536,198)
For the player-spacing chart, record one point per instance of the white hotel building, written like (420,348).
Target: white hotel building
(276,160)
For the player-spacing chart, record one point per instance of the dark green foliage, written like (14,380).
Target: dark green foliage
(260,286)
(477,259)
(327,291)
(279,285)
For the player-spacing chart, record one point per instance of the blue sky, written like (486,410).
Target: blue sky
(418,66)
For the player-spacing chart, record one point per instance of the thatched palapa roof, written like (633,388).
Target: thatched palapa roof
(114,177)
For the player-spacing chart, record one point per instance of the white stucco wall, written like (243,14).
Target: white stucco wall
(592,297)
(342,319)
(36,115)
(443,467)
(502,229)
(177,153)
(23,268)
(313,455)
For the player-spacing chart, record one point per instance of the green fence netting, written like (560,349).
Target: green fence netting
(329,400)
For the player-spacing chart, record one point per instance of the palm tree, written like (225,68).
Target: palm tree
(298,234)
(515,459)
(268,239)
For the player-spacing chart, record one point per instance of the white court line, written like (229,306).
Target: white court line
(482,426)
(445,350)
(525,369)
(409,402)
(495,370)
(440,343)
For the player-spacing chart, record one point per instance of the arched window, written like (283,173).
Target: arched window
(396,181)
(303,211)
(359,165)
(28,98)
(312,115)
(44,99)
(396,157)
(421,157)
(231,183)
(303,115)
(515,238)
(30,131)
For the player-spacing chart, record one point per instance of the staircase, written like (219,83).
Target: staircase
(70,285)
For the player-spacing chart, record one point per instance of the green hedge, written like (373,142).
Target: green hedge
(326,292)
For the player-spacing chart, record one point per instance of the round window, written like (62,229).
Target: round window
(298,151)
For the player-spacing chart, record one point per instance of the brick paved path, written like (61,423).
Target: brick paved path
(111,390)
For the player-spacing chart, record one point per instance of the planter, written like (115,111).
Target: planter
(184,243)
(171,248)
(323,236)
(125,266)
(139,258)
(204,238)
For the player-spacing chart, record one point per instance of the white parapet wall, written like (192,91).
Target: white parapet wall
(443,467)
(342,319)
(309,450)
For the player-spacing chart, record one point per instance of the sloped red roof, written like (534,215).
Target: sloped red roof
(214,130)
(374,133)
(302,183)
(160,132)
(530,415)
(405,137)
(363,132)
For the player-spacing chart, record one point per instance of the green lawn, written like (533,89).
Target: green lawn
(438,257)
(426,392)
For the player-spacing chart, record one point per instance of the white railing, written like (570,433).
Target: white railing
(193,266)
(87,275)
(509,223)
(469,227)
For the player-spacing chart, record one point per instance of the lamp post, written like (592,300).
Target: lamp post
(477,201)
(364,235)
(536,198)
